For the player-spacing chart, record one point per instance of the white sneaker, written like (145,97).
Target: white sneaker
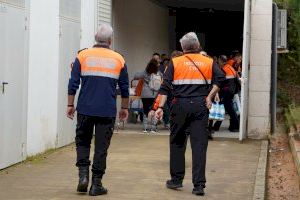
(145,131)
(153,131)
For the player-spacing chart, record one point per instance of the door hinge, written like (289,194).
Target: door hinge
(56,141)
(25,25)
(60,30)
(23,154)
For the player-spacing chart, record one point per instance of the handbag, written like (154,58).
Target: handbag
(236,103)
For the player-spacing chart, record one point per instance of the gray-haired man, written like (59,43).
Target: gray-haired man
(190,78)
(99,70)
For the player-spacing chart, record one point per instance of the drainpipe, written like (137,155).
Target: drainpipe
(274,70)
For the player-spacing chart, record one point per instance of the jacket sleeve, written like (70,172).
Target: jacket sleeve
(218,76)
(166,85)
(123,82)
(74,81)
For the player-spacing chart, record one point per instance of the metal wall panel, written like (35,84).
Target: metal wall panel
(12,70)
(69,44)
(70,9)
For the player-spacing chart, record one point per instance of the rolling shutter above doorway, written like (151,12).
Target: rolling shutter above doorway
(19,3)
(103,13)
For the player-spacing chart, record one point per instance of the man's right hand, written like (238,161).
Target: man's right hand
(159,114)
(208,103)
(70,112)
(123,115)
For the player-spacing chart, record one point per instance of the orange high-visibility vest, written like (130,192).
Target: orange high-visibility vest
(185,71)
(101,62)
(229,71)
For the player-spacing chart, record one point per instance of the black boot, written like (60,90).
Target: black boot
(199,190)
(172,184)
(97,188)
(83,179)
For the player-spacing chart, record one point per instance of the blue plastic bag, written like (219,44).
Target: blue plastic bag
(217,112)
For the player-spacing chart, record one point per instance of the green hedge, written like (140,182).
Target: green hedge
(289,63)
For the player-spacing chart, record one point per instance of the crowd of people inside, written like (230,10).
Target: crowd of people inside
(149,81)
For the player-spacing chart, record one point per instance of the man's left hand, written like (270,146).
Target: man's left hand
(123,115)
(70,112)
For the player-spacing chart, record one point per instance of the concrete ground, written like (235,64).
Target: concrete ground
(138,167)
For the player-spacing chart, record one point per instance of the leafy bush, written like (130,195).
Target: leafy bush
(289,64)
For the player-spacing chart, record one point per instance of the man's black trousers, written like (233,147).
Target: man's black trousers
(104,127)
(189,116)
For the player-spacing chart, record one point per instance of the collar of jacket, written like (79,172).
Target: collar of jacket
(192,52)
(101,46)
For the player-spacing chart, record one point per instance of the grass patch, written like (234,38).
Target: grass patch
(40,157)
(292,117)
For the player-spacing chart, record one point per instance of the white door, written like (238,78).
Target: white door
(12,80)
(245,72)
(69,44)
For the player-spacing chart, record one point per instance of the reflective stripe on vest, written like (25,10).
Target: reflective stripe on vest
(185,72)
(230,77)
(191,82)
(100,62)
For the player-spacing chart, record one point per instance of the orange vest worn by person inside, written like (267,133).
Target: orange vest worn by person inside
(229,71)
(231,76)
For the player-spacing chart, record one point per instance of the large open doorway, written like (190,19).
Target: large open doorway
(143,27)
(219,31)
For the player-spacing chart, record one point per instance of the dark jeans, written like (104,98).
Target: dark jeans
(227,99)
(214,126)
(104,127)
(147,105)
(188,116)
(166,116)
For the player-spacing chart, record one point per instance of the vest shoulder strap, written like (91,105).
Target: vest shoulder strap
(198,69)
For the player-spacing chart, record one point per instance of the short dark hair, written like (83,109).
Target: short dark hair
(152,67)
(235,53)
(223,58)
(156,54)
(176,54)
